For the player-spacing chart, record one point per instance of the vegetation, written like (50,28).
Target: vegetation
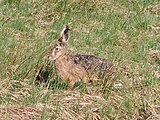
(125,31)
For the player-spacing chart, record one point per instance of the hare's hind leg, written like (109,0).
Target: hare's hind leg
(71,82)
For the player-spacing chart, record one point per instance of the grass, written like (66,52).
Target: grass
(126,32)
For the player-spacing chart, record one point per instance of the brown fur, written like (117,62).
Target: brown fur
(72,68)
(69,71)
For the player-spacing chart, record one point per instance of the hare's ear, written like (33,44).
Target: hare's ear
(64,36)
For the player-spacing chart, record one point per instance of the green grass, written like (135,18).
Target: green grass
(126,32)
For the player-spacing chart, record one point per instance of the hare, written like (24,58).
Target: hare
(73,67)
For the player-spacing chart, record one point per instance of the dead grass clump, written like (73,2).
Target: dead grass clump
(76,105)
(154,55)
(19,112)
(13,90)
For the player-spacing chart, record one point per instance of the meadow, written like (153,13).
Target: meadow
(127,32)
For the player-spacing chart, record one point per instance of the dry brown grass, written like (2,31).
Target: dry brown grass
(76,105)
(19,112)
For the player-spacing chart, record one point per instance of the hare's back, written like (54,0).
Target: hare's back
(92,62)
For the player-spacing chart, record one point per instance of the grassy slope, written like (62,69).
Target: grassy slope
(127,32)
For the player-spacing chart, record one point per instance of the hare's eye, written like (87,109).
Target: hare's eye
(56,49)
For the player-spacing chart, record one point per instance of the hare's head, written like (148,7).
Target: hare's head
(58,48)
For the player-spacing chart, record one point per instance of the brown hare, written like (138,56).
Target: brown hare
(74,67)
